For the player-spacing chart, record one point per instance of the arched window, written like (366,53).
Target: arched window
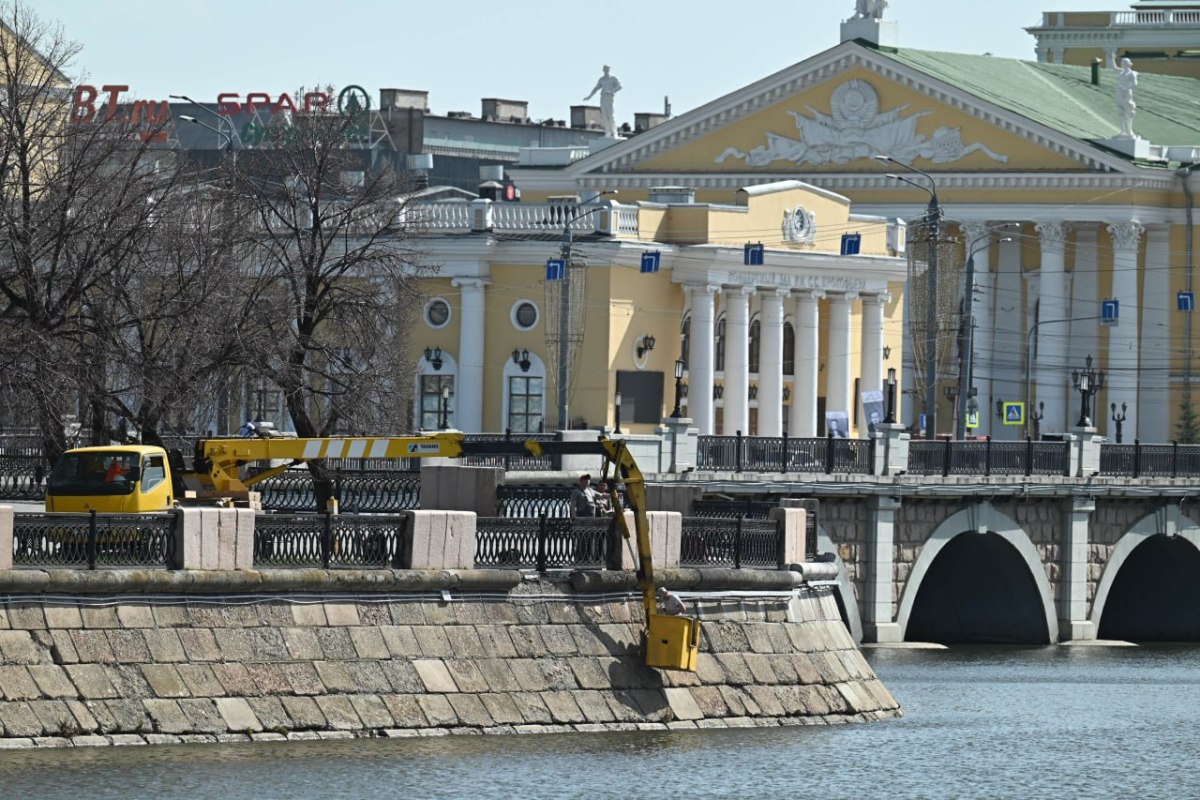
(524,400)
(789,349)
(685,340)
(719,364)
(755,345)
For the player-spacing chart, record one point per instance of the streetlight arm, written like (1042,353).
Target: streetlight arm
(932,183)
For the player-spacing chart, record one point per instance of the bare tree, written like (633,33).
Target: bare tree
(76,203)
(333,247)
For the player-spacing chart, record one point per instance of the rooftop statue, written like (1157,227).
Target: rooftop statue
(1126,83)
(607,85)
(870,9)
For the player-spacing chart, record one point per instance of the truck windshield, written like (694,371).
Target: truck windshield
(95,472)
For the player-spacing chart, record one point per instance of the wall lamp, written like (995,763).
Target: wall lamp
(645,345)
(718,391)
(521,359)
(787,394)
(434,357)
(753,392)
(887,352)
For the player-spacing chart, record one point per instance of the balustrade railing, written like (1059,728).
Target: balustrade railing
(94,540)
(784,454)
(328,540)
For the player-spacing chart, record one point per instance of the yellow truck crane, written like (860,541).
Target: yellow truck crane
(134,479)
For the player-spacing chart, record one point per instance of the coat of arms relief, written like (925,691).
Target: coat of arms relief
(855,128)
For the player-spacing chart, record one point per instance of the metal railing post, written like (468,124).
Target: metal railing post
(738,452)
(1028,456)
(737,543)
(541,543)
(1067,459)
(947,456)
(1174,459)
(91,540)
(783,456)
(987,456)
(1137,458)
(327,540)
(829,440)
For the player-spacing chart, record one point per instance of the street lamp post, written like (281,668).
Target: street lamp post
(933,218)
(890,417)
(444,422)
(1087,382)
(564,308)
(617,412)
(677,411)
(1029,352)
(1036,418)
(1119,419)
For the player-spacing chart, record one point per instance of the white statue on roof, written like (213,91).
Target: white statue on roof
(869,9)
(607,85)
(1126,83)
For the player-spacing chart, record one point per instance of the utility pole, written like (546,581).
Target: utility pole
(966,378)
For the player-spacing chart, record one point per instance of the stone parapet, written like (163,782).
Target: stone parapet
(177,668)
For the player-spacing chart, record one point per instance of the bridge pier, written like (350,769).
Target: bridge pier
(1073,617)
(879,604)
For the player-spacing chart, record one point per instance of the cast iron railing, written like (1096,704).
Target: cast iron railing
(545,542)
(513,463)
(737,543)
(784,454)
(94,540)
(987,457)
(1139,460)
(22,476)
(372,491)
(328,540)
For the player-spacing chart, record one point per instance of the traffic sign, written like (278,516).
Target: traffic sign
(650,261)
(851,244)
(972,420)
(556,269)
(1110,311)
(1185,301)
(1014,413)
(752,255)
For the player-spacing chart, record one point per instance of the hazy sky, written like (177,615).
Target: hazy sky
(548,52)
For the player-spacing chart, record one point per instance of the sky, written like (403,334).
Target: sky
(547,52)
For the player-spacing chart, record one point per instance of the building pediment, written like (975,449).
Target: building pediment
(833,112)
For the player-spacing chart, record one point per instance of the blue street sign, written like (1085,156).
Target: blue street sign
(851,244)
(1185,301)
(1110,311)
(650,261)
(1014,413)
(752,255)
(556,269)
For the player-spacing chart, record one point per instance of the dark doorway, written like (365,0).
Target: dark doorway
(978,591)
(1156,595)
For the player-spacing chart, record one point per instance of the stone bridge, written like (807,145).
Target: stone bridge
(999,560)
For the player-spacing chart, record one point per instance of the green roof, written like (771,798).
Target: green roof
(1063,98)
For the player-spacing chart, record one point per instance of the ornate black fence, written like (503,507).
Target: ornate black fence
(737,543)
(513,463)
(22,475)
(371,491)
(1139,460)
(328,541)
(94,540)
(733,507)
(545,543)
(785,454)
(987,457)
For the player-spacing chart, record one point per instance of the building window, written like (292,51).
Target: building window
(430,408)
(720,354)
(525,315)
(789,349)
(685,341)
(437,313)
(525,401)
(755,345)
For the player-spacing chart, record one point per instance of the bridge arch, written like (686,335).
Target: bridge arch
(1167,521)
(847,601)
(978,519)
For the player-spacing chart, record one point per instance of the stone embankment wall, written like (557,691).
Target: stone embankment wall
(213,656)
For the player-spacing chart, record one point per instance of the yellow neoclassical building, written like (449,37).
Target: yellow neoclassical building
(778,303)
(1092,214)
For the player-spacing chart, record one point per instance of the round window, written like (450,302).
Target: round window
(437,312)
(524,315)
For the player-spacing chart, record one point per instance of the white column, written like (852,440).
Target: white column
(837,378)
(1085,294)
(1009,341)
(700,358)
(770,365)
(1123,347)
(808,355)
(1053,371)
(1154,384)
(737,360)
(468,401)
(871,371)
(977,235)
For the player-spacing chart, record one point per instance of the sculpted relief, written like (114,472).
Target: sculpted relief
(855,128)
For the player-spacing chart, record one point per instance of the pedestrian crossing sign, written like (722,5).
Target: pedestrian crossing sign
(1014,413)
(972,420)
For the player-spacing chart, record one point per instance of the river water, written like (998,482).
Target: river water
(1067,722)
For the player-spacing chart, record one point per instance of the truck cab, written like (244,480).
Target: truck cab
(124,479)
